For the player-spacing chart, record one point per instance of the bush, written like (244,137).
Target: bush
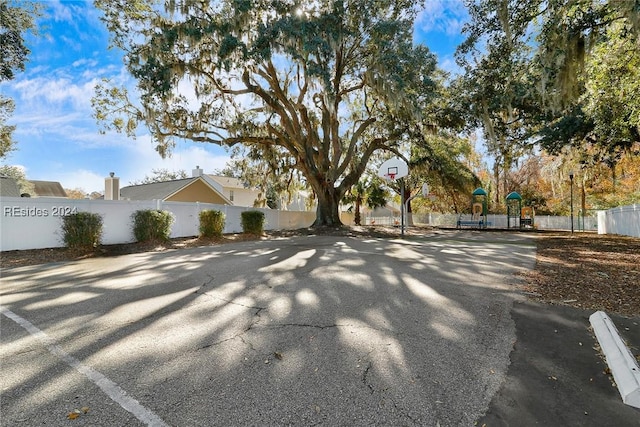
(151,225)
(252,222)
(211,223)
(82,230)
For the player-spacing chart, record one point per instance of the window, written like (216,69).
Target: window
(231,195)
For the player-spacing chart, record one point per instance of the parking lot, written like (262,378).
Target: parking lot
(312,330)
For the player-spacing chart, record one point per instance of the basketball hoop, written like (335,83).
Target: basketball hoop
(390,170)
(393,169)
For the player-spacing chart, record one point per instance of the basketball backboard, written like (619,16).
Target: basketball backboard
(393,169)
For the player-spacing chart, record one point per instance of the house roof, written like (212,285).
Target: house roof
(164,190)
(48,189)
(154,190)
(9,187)
(228,182)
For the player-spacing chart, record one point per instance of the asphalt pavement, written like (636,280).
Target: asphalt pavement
(317,330)
(557,375)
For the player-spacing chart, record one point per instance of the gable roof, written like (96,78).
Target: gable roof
(165,189)
(229,182)
(48,189)
(9,187)
(154,190)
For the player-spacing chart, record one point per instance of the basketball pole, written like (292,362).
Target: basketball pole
(402,206)
(390,170)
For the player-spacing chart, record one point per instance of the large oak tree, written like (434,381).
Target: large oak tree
(16,19)
(323,85)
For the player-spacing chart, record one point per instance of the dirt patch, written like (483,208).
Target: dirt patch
(590,271)
(585,270)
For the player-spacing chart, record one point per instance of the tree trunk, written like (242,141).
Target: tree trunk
(357,218)
(408,213)
(496,178)
(614,177)
(327,213)
(583,201)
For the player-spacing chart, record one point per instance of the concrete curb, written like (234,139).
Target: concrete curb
(622,364)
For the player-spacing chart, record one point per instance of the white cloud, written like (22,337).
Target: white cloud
(85,62)
(141,158)
(132,163)
(69,13)
(71,179)
(95,73)
(60,12)
(86,180)
(65,127)
(447,16)
(38,69)
(449,64)
(72,43)
(39,91)
(29,123)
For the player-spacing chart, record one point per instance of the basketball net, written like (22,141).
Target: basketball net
(391,176)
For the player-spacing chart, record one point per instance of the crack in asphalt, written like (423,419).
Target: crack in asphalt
(365,374)
(243,332)
(211,279)
(302,325)
(233,302)
(399,409)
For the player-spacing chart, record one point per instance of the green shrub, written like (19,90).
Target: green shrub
(252,222)
(151,225)
(82,230)
(211,223)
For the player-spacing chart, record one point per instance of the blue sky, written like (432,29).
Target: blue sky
(58,140)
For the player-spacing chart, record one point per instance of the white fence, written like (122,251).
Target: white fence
(35,223)
(541,222)
(624,220)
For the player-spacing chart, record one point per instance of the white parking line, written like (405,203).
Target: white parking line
(110,388)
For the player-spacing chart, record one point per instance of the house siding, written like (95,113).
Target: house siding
(242,197)
(197,191)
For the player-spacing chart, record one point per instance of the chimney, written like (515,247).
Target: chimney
(196,172)
(112,187)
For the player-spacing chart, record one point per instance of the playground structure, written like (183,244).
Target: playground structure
(522,216)
(517,216)
(478,211)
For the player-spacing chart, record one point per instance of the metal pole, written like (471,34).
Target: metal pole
(571,191)
(402,206)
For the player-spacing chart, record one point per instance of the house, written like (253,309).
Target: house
(9,187)
(48,189)
(237,191)
(242,195)
(198,188)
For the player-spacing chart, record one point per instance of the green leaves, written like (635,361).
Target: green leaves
(113,110)
(562,75)
(612,97)
(15,20)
